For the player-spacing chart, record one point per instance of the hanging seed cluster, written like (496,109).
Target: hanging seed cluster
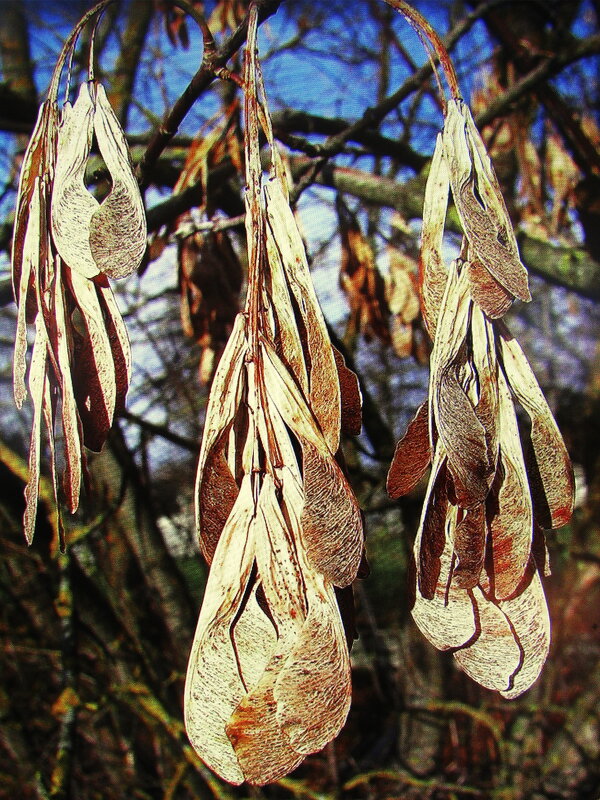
(66,245)
(479,550)
(268,679)
(269,673)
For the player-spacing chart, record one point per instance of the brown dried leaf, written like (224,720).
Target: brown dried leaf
(411,457)
(361,280)
(351,397)
(117,230)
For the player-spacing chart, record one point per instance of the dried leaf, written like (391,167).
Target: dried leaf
(411,457)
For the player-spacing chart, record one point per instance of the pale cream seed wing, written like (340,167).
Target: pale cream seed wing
(510,512)
(73,206)
(313,691)
(530,621)
(446,615)
(29,269)
(495,655)
(117,232)
(434,272)
(331,522)
(71,423)
(37,382)
(324,390)
(214,686)
(556,491)
(95,378)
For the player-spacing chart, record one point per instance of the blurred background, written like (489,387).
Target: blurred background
(95,641)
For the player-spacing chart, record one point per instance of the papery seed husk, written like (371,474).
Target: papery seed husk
(118,338)
(286,335)
(469,547)
(553,465)
(38,160)
(313,691)
(73,206)
(261,746)
(510,513)
(431,540)
(117,230)
(479,202)
(331,522)
(434,273)
(530,621)
(324,392)
(94,380)
(217,493)
(71,423)
(495,655)
(213,686)
(351,396)
(255,639)
(37,382)
(493,299)
(29,270)
(446,617)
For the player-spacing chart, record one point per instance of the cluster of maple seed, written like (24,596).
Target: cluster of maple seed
(269,679)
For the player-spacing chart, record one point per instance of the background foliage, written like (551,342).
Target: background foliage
(95,641)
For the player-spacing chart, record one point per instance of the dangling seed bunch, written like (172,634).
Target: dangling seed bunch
(268,679)
(479,550)
(66,246)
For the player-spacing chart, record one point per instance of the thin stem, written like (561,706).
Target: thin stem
(70,44)
(424,29)
(253,177)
